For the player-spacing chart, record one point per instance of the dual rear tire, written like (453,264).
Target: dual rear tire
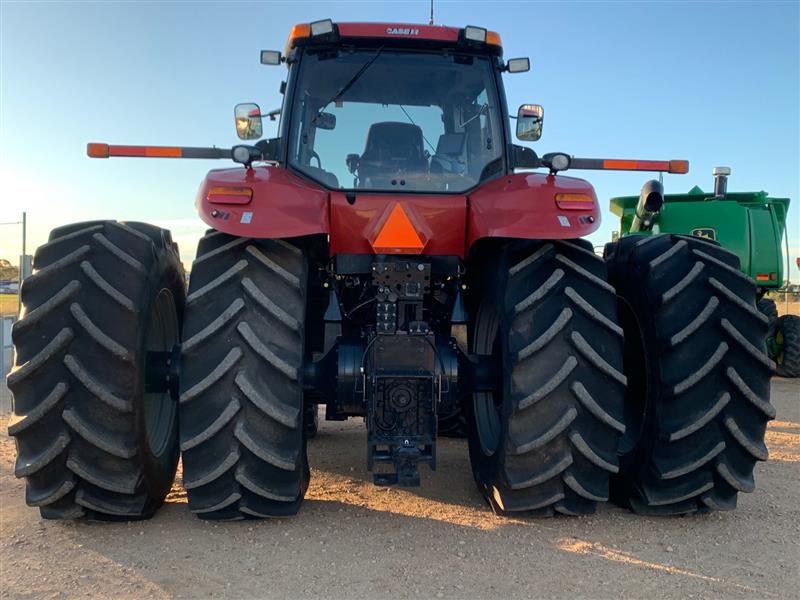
(242,413)
(668,418)
(546,441)
(91,440)
(697,402)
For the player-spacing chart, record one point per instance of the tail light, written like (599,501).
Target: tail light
(229,195)
(574,201)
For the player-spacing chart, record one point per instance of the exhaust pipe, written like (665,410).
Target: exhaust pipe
(651,199)
(720,181)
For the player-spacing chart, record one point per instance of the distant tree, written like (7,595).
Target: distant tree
(8,271)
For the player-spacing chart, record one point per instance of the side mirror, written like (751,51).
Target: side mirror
(352,162)
(518,65)
(248,121)
(325,120)
(270,57)
(530,120)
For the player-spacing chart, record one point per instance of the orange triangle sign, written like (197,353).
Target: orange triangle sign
(398,234)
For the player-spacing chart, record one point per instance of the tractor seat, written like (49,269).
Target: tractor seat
(391,147)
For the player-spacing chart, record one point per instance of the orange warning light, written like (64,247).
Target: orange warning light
(398,235)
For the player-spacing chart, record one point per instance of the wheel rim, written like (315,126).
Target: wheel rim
(487,405)
(160,410)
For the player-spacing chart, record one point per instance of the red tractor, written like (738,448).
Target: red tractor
(385,257)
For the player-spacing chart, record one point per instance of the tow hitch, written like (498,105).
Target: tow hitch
(401,385)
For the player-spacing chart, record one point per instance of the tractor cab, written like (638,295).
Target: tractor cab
(385,108)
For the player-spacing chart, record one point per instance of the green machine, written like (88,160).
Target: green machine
(750,224)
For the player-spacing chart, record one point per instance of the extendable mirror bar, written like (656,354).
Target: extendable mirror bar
(556,161)
(106,151)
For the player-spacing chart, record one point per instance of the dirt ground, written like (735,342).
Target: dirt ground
(438,541)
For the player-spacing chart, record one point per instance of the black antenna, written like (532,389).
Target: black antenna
(431,21)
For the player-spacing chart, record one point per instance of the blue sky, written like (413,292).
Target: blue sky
(715,83)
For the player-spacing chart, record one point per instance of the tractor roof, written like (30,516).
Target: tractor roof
(401,34)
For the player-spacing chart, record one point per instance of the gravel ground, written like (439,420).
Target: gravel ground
(352,539)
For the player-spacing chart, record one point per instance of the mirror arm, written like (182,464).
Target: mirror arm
(273,114)
(524,158)
(270,149)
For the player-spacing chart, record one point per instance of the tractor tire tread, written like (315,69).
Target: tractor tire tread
(707,375)
(562,414)
(241,402)
(76,372)
(789,365)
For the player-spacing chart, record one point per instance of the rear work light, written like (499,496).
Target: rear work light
(574,201)
(229,195)
(475,34)
(481,35)
(321,27)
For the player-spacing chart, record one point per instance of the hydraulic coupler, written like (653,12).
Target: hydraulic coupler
(401,384)
(401,390)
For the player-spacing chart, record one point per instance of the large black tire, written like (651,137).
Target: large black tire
(698,376)
(241,403)
(548,441)
(90,442)
(766,307)
(787,336)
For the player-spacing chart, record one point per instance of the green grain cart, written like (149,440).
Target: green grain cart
(750,224)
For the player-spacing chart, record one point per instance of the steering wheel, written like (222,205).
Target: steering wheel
(319,161)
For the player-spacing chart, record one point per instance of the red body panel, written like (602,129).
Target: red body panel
(523,206)
(399,30)
(440,221)
(283,204)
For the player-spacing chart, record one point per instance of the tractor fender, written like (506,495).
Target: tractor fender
(262,202)
(523,206)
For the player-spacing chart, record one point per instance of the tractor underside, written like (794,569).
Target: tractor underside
(388,336)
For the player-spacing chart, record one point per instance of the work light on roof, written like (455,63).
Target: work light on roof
(475,34)
(322,27)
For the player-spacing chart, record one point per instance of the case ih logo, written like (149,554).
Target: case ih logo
(402,31)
